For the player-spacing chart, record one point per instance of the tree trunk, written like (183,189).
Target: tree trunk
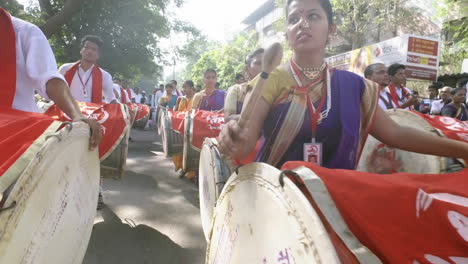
(54,23)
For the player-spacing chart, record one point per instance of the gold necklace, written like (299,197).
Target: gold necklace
(311,72)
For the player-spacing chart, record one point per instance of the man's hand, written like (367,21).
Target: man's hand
(95,130)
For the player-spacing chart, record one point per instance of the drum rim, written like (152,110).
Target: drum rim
(235,179)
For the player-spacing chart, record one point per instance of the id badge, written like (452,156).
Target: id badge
(313,153)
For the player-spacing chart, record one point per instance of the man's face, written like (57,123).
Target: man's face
(90,52)
(445,94)
(380,75)
(137,90)
(432,92)
(400,77)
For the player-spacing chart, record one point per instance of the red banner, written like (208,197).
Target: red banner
(19,131)
(206,124)
(178,121)
(402,218)
(143,111)
(111,116)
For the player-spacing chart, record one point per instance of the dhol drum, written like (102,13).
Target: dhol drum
(262,217)
(191,155)
(141,123)
(114,165)
(379,158)
(212,176)
(48,215)
(172,140)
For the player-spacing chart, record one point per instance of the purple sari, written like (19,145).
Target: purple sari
(214,102)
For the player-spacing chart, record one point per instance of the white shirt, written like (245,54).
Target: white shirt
(85,94)
(35,65)
(384,94)
(138,98)
(400,94)
(155,98)
(436,107)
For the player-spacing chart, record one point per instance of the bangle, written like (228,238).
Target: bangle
(264,75)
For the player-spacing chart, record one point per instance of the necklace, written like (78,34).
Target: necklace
(311,72)
(324,113)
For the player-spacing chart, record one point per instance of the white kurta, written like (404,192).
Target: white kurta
(82,89)
(400,95)
(383,93)
(35,65)
(155,98)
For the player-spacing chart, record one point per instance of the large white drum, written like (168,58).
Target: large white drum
(172,140)
(212,176)
(379,158)
(256,220)
(191,155)
(49,213)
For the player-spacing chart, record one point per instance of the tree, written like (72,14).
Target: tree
(226,59)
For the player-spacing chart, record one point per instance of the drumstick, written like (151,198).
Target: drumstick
(271,59)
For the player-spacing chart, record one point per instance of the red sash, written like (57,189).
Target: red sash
(97,81)
(129,93)
(393,93)
(123,98)
(8,60)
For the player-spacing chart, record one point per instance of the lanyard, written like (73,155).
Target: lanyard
(315,114)
(85,92)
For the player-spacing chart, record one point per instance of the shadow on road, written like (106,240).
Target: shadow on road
(113,241)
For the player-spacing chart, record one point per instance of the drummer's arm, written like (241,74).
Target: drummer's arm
(58,91)
(410,139)
(239,142)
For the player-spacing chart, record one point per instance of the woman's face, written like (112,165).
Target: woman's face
(209,79)
(255,66)
(460,96)
(307,26)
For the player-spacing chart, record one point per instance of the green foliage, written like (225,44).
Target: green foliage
(226,59)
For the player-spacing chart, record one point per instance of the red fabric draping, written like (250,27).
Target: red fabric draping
(206,124)
(178,121)
(8,59)
(110,116)
(143,111)
(96,96)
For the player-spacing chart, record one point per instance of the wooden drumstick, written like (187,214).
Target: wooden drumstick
(271,59)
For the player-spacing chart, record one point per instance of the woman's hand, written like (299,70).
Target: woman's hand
(233,140)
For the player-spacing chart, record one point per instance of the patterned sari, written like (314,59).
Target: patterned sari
(212,102)
(343,133)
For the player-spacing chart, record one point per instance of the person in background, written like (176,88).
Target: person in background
(377,72)
(426,103)
(209,99)
(445,98)
(400,95)
(237,93)
(457,108)
(184,103)
(240,78)
(88,82)
(138,95)
(170,99)
(143,98)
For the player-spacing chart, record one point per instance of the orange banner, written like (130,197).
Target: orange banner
(19,130)
(206,124)
(111,116)
(402,218)
(143,111)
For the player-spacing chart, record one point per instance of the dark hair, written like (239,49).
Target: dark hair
(174,82)
(462,83)
(210,70)
(456,90)
(94,39)
(161,85)
(252,55)
(393,69)
(325,4)
(239,76)
(169,85)
(370,69)
(189,83)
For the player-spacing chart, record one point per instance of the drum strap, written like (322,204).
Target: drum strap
(7,59)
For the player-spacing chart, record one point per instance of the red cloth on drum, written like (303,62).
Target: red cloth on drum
(206,124)
(110,116)
(178,121)
(97,81)
(402,218)
(18,131)
(8,60)
(143,111)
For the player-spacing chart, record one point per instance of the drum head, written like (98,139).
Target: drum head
(53,203)
(212,176)
(258,221)
(379,158)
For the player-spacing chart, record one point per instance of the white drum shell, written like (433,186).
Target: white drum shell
(56,198)
(172,140)
(191,155)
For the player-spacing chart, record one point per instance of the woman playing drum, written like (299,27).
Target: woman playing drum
(310,112)
(210,99)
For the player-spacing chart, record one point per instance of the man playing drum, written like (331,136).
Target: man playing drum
(377,72)
(25,46)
